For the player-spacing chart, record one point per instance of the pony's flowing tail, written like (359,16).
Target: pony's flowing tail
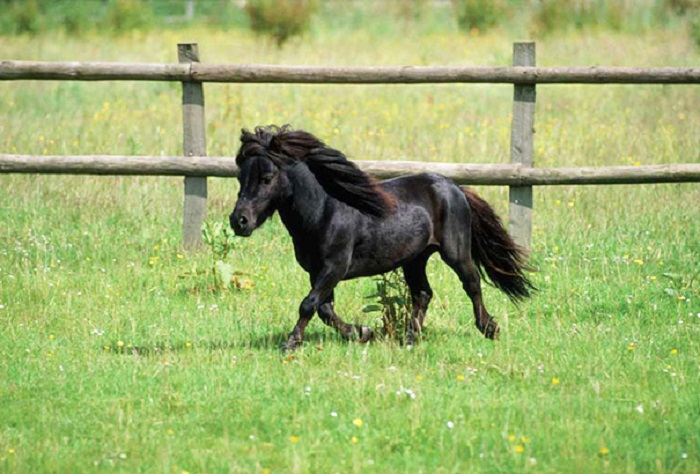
(495,253)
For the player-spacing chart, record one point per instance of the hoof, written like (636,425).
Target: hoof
(358,333)
(291,345)
(411,339)
(366,334)
(491,330)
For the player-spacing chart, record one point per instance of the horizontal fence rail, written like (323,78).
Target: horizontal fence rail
(251,73)
(472,174)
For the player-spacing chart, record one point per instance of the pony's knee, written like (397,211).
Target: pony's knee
(309,306)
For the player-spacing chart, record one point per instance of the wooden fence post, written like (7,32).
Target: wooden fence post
(521,147)
(194,144)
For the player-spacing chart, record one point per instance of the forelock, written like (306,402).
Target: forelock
(259,143)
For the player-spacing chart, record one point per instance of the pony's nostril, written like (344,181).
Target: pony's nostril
(243,220)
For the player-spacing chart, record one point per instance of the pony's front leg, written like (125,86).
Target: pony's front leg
(322,288)
(348,331)
(306,311)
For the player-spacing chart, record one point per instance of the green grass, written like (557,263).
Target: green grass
(117,355)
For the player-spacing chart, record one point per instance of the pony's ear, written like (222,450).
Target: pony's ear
(246,135)
(278,148)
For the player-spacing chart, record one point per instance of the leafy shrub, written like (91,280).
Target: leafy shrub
(691,10)
(682,7)
(694,28)
(18,17)
(127,15)
(281,20)
(75,18)
(478,14)
(552,15)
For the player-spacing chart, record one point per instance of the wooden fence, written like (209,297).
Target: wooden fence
(520,175)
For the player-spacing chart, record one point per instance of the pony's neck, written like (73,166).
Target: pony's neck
(302,212)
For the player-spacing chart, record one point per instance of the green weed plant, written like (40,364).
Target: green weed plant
(219,238)
(392,300)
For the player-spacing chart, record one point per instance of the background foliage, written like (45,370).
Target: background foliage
(283,20)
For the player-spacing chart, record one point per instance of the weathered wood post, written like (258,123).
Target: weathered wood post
(193,144)
(521,146)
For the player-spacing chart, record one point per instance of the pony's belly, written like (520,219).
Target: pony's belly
(389,251)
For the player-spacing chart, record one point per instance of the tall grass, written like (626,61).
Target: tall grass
(117,353)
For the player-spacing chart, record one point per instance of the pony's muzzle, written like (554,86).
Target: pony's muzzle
(241,224)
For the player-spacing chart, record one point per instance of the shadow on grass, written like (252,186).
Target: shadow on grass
(263,343)
(272,342)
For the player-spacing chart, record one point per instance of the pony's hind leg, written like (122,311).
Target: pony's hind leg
(484,322)
(471,282)
(456,251)
(421,294)
(460,261)
(348,331)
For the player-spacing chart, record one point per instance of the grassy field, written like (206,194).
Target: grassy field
(118,355)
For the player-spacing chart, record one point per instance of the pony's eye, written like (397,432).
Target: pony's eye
(267,179)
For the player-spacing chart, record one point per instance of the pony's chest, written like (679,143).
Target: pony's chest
(307,252)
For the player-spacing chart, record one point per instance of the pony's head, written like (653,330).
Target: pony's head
(262,182)
(263,159)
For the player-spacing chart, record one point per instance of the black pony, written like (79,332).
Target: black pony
(345,225)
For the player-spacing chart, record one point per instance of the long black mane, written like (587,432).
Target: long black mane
(338,176)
